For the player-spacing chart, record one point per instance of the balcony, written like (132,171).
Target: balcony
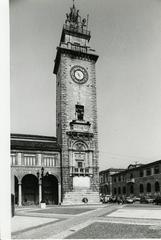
(77,48)
(76,29)
(81,171)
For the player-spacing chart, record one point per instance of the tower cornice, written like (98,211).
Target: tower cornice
(84,54)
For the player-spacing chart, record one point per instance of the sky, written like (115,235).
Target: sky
(126,35)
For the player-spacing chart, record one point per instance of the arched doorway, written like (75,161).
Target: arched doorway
(29,190)
(16,189)
(50,189)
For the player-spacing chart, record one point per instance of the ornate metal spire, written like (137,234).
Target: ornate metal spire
(74,19)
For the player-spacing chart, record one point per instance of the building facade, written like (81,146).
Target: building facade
(29,155)
(74,169)
(138,180)
(105,179)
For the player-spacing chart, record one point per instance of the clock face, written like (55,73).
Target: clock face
(79,74)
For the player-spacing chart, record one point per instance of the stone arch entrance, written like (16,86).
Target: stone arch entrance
(16,189)
(29,190)
(50,189)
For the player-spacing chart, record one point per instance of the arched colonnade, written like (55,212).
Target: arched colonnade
(29,189)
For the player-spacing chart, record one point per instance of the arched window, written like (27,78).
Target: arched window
(148,187)
(157,187)
(79,146)
(141,188)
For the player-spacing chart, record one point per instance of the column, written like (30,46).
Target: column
(20,193)
(19,158)
(40,191)
(39,159)
(90,159)
(59,193)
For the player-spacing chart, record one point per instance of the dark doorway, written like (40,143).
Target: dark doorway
(16,189)
(29,190)
(50,189)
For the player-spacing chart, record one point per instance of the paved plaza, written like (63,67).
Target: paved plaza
(88,221)
(137,213)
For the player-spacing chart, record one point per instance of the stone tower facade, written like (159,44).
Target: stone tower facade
(76,111)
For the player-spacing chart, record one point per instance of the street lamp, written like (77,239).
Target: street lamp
(41,176)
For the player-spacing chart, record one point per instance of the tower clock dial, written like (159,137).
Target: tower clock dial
(79,74)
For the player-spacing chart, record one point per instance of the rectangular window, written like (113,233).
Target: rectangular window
(49,161)
(79,112)
(148,171)
(123,178)
(30,160)
(80,164)
(141,173)
(156,169)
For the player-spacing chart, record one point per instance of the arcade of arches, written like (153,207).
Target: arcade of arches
(29,190)
(35,169)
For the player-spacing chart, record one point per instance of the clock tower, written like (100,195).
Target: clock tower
(76,111)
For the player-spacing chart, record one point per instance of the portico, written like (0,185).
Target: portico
(26,165)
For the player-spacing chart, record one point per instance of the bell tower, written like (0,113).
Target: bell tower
(76,111)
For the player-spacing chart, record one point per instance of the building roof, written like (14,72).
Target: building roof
(111,170)
(138,167)
(34,142)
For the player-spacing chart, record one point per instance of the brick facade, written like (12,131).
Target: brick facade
(138,180)
(105,180)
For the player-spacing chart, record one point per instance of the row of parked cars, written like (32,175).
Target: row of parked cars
(122,199)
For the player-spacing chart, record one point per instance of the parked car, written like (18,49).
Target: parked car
(136,199)
(129,200)
(146,199)
(157,200)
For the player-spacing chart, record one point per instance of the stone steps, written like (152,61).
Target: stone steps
(76,196)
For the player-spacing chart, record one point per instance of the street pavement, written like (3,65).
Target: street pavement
(65,222)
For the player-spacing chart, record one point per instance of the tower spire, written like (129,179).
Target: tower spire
(74,19)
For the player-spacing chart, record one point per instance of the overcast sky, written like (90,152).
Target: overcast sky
(127,36)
